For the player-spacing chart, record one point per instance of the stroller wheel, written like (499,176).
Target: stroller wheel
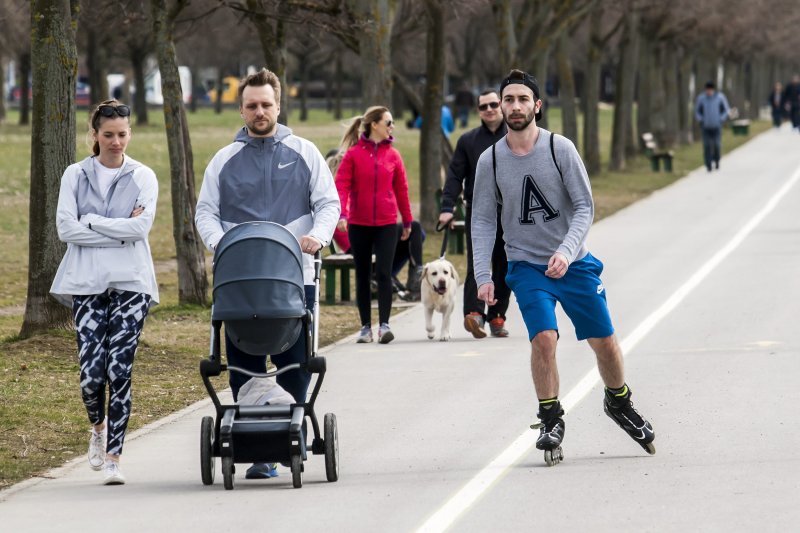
(297,471)
(227,472)
(331,448)
(207,450)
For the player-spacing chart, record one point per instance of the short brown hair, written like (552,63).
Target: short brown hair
(259,79)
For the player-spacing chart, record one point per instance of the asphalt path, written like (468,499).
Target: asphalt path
(702,285)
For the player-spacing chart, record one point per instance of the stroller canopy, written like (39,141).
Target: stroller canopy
(258,287)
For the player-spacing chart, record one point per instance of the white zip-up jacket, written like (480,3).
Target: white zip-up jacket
(106,248)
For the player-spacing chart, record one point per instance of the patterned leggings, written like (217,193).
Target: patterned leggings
(108,326)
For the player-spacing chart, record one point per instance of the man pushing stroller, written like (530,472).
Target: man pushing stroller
(269,174)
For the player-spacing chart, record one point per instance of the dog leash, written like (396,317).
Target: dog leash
(446,229)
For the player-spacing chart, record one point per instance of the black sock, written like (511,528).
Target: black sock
(550,408)
(621,392)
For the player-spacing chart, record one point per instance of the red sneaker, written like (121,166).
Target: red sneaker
(496,326)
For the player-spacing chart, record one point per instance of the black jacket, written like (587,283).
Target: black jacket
(461,172)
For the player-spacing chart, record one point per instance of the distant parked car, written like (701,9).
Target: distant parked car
(83,95)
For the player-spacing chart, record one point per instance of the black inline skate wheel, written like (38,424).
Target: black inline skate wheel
(227,472)
(207,450)
(649,448)
(297,471)
(331,448)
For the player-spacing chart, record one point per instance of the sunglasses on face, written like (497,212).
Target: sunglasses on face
(493,105)
(111,110)
(389,123)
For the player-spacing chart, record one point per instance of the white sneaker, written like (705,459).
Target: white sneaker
(97,448)
(113,475)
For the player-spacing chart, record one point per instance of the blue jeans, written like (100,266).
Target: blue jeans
(712,140)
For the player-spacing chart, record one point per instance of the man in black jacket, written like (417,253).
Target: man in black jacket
(461,175)
(791,99)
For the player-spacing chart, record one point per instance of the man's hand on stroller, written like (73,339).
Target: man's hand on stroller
(309,244)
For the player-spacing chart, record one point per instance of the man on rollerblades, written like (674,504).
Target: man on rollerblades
(546,217)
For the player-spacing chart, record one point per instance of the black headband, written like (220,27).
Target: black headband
(527,80)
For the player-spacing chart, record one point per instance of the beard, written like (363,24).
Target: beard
(261,131)
(519,126)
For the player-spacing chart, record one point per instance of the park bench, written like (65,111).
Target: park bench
(331,264)
(342,263)
(455,243)
(656,154)
(741,126)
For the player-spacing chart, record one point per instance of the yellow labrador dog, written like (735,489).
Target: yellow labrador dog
(439,285)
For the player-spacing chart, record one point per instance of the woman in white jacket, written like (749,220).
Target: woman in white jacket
(106,208)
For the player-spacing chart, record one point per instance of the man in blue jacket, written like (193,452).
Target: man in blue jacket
(711,110)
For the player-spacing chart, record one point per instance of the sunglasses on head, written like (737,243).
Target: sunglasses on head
(493,105)
(108,110)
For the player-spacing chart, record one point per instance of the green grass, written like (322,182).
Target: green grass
(42,420)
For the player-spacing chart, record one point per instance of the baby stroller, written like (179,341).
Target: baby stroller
(259,296)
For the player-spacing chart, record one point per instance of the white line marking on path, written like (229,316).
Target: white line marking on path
(469,493)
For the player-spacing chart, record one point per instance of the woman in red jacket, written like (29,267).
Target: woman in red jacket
(371,180)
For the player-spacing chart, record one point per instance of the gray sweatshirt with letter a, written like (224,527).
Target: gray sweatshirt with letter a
(542,212)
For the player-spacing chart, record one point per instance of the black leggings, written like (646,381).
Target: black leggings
(363,241)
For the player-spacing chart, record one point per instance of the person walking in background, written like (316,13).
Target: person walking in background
(775,102)
(711,110)
(448,125)
(372,185)
(269,174)
(106,207)
(791,101)
(461,177)
(547,210)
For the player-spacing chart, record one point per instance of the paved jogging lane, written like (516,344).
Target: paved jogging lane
(702,282)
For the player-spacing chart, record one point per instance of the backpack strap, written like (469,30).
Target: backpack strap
(553,155)
(494,169)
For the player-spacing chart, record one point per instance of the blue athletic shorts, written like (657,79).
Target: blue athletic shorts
(580,292)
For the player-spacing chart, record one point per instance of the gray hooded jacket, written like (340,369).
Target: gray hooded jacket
(282,179)
(106,248)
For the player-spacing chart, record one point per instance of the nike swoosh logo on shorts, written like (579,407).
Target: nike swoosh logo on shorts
(284,165)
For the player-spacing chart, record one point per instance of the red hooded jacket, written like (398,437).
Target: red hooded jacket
(372,185)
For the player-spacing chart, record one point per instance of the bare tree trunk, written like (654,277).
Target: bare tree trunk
(54,57)
(566,89)
(756,89)
(273,46)
(138,56)
(374,47)
(644,106)
(591,96)
(192,280)
(337,105)
(220,89)
(305,64)
(97,64)
(430,150)
(540,63)
(670,84)
(24,95)
(623,99)
(506,35)
(685,98)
